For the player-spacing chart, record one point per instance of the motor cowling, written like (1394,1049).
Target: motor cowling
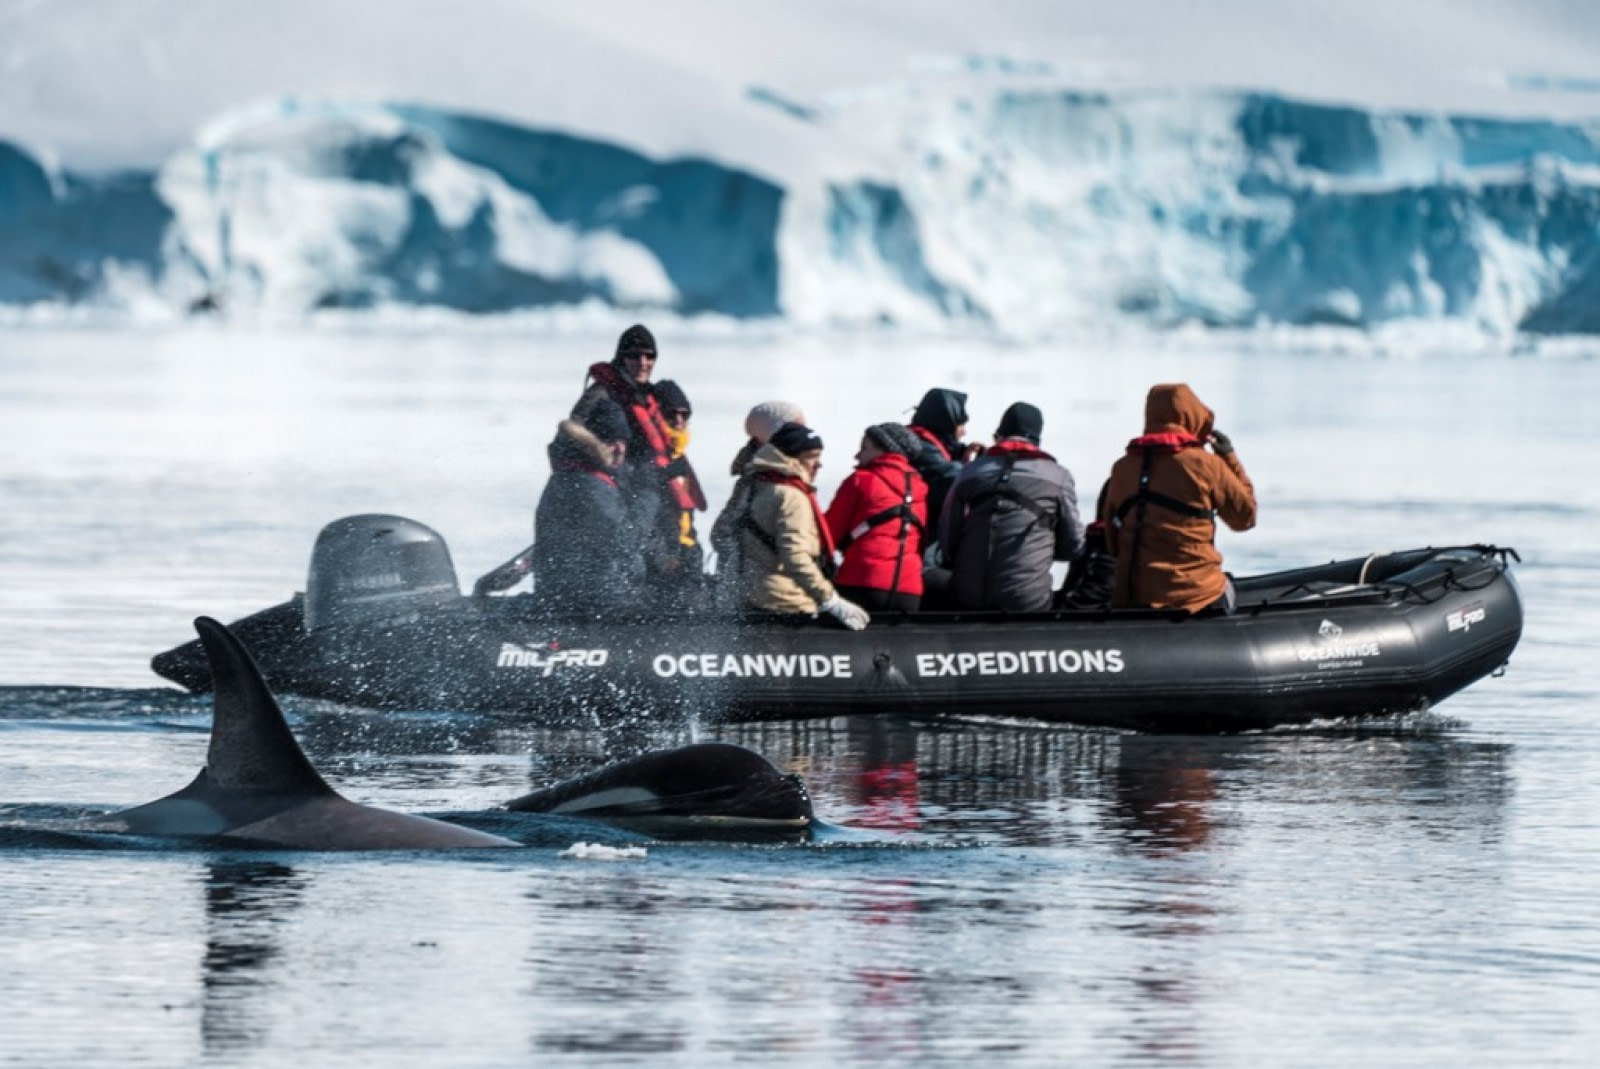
(377,569)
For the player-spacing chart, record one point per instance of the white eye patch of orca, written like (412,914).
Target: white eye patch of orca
(614,798)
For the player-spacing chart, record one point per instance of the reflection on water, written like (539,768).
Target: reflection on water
(247,904)
(574,965)
(1153,795)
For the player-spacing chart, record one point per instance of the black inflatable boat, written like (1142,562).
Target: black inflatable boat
(383,623)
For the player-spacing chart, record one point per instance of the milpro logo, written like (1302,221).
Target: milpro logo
(1465,618)
(548,657)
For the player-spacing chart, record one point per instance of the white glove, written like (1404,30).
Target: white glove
(848,613)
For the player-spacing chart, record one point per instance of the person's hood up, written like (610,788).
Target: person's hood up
(1172,406)
(941,411)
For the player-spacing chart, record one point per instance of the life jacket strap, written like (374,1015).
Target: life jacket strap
(1045,514)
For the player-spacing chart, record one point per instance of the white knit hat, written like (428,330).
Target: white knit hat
(768,416)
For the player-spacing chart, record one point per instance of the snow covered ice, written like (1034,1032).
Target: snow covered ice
(1022,170)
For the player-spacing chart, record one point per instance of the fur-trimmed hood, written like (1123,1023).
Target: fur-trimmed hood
(576,444)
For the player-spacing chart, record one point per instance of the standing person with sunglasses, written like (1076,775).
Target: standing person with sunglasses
(650,482)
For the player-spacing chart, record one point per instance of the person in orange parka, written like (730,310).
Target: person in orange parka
(877,520)
(1162,502)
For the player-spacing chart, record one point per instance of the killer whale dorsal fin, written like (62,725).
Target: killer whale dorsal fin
(252,747)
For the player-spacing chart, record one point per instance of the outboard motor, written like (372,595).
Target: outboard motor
(377,569)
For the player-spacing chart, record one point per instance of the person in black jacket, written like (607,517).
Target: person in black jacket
(939,421)
(1009,515)
(586,552)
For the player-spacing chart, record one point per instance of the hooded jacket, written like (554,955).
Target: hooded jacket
(935,420)
(1011,513)
(886,555)
(586,554)
(1164,538)
(782,545)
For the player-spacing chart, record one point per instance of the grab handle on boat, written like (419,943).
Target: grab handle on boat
(1361,579)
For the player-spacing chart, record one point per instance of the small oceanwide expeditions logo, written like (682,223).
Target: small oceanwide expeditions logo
(1335,651)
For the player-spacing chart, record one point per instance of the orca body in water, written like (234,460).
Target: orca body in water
(706,786)
(258,786)
(259,789)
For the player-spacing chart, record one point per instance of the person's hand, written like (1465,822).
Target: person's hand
(971,451)
(1221,444)
(504,577)
(847,613)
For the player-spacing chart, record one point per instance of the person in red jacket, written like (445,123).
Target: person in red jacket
(877,520)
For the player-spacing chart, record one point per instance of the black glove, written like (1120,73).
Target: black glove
(1221,444)
(504,577)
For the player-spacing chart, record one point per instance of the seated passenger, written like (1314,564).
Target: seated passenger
(1092,576)
(1161,505)
(586,556)
(763,420)
(1010,513)
(785,553)
(677,569)
(877,519)
(940,420)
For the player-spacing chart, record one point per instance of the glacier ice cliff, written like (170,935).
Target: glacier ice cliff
(1021,209)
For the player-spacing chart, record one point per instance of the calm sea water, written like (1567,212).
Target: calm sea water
(1418,892)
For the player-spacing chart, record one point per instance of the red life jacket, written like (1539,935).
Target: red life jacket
(1169,440)
(933,439)
(1019,448)
(651,425)
(577,465)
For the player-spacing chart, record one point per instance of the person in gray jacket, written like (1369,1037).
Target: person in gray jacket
(1010,513)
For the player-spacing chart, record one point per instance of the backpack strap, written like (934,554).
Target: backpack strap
(1136,504)
(1045,514)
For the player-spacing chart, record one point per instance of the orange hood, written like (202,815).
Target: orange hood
(1172,406)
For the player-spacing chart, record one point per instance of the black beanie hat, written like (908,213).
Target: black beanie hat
(672,398)
(792,439)
(608,422)
(636,339)
(895,438)
(1021,420)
